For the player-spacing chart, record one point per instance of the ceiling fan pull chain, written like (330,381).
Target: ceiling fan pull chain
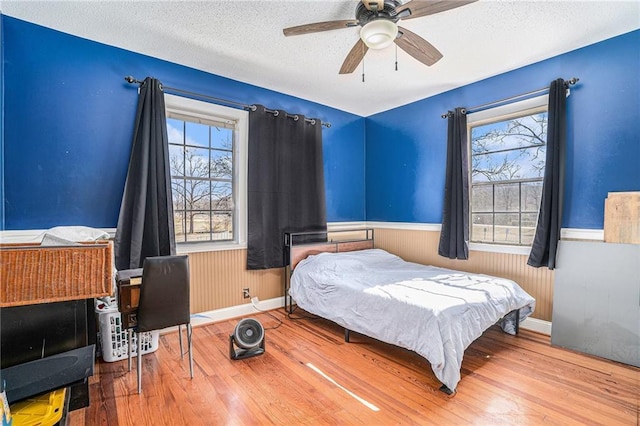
(396,57)
(363,70)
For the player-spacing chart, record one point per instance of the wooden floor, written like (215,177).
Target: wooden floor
(309,376)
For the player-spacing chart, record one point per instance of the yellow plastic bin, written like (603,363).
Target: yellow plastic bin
(43,410)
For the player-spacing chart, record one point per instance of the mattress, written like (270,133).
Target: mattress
(433,311)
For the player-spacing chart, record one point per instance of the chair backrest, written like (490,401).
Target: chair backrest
(164,293)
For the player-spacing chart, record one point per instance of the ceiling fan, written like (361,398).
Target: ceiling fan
(379,21)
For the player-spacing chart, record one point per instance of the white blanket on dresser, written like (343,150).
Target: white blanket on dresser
(433,311)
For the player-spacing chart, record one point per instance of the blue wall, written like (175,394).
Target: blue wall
(406,146)
(1,125)
(69,122)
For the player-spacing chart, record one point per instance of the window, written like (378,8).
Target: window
(208,157)
(508,151)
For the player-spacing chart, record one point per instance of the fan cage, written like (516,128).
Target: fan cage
(249,333)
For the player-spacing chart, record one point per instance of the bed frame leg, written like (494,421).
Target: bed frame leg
(517,321)
(289,308)
(446,390)
(346,335)
(288,300)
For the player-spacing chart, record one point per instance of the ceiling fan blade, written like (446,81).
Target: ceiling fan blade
(374,5)
(417,47)
(354,57)
(319,26)
(420,8)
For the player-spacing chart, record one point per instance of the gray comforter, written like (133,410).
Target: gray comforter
(433,311)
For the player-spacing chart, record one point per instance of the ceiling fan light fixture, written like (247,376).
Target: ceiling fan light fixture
(379,33)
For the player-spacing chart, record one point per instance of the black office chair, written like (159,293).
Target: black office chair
(164,302)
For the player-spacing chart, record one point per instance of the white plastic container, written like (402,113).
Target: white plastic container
(113,338)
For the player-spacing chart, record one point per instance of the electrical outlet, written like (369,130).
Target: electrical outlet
(245,293)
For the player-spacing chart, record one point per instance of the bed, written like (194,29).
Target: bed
(432,311)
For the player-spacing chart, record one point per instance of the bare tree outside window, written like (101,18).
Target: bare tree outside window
(507,168)
(201,161)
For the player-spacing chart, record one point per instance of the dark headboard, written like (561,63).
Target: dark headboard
(337,241)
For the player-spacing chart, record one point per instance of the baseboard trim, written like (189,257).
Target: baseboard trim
(231,312)
(537,325)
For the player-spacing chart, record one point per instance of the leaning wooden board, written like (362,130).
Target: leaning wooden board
(622,218)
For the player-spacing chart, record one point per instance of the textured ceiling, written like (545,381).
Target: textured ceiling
(243,40)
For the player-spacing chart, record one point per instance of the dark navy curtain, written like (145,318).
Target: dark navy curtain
(145,225)
(286,190)
(454,235)
(545,242)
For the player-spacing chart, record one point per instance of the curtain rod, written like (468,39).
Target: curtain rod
(477,108)
(133,80)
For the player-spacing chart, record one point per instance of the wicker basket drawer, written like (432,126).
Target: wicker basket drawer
(31,274)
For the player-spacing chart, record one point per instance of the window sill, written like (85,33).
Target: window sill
(500,248)
(186,248)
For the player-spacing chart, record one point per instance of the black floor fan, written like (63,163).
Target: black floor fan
(248,336)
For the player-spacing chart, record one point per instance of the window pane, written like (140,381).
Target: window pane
(179,226)
(198,225)
(509,134)
(482,228)
(197,134)
(175,131)
(222,226)
(196,162)
(221,138)
(507,197)
(482,198)
(529,222)
(197,194)
(531,196)
(517,164)
(178,194)
(208,226)
(507,228)
(176,160)
(533,162)
(221,164)
(221,194)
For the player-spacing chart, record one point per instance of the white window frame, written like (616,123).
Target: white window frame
(503,112)
(212,112)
